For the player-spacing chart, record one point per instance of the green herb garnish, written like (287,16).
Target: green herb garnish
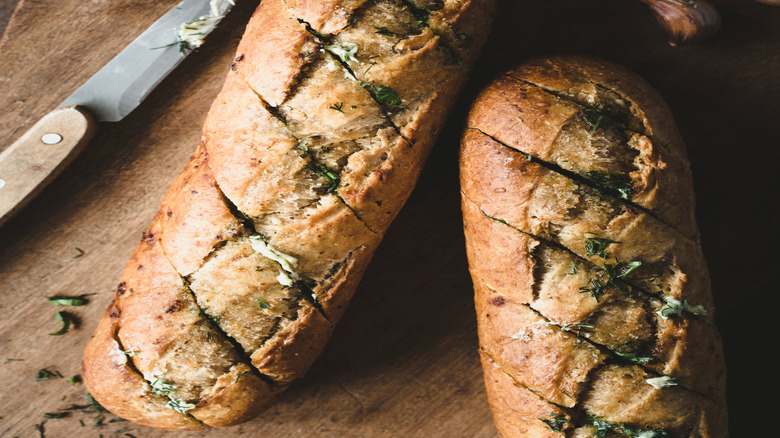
(65,319)
(675,307)
(594,287)
(615,183)
(596,246)
(640,433)
(579,326)
(383,95)
(337,107)
(56,415)
(573,269)
(421,15)
(611,277)
(330,175)
(345,52)
(180,406)
(262,304)
(387,96)
(602,427)
(384,31)
(241,375)
(161,388)
(556,422)
(315,33)
(351,23)
(81,253)
(617,272)
(94,404)
(633,354)
(597,119)
(302,148)
(79,300)
(46,374)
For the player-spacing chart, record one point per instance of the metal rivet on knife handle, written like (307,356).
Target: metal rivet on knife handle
(51,138)
(30,163)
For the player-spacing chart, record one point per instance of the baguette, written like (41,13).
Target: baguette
(593,299)
(307,154)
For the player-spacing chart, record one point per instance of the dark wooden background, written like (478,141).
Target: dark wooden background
(403,361)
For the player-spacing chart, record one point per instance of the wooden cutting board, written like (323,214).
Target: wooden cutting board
(403,361)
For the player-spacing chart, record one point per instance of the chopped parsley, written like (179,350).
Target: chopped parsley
(262,304)
(602,427)
(384,31)
(383,95)
(345,52)
(611,277)
(578,327)
(597,119)
(595,246)
(555,423)
(97,407)
(595,288)
(614,183)
(421,16)
(79,300)
(633,354)
(46,374)
(56,415)
(338,107)
(180,406)
(387,96)
(328,174)
(303,148)
(161,388)
(66,320)
(676,307)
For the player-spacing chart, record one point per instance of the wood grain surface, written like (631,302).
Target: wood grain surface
(403,361)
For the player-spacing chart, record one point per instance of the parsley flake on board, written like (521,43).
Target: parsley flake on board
(46,374)
(66,320)
(78,300)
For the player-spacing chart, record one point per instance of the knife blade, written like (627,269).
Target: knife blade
(40,154)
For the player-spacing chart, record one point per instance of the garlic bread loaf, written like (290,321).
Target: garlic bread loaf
(593,298)
(317,138)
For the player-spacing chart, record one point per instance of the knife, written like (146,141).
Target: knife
(41,153)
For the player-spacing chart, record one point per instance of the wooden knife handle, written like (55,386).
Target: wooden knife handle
(39,155)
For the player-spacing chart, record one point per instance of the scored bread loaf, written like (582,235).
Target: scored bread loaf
(309,151)
(593,298)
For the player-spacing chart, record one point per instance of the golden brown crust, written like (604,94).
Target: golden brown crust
(585,298)
(261,241)
(120,388)
(594,120)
